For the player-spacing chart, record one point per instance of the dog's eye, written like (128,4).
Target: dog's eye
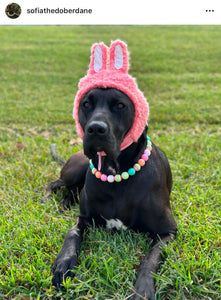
(120,105)
(86,104)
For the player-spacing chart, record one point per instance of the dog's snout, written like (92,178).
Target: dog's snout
(97,128)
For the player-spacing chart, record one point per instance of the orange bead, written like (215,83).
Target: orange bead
(141,162)
(98,174)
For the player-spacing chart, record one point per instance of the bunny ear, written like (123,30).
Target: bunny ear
(98,58)
(119,56)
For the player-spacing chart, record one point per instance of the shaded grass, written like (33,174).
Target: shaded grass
(178,68)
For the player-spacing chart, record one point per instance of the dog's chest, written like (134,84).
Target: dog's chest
(114,205)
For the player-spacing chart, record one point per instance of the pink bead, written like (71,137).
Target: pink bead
(147,152)
(110,178)
(104,177)
(144,157)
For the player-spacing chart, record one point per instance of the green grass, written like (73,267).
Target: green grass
(178,68)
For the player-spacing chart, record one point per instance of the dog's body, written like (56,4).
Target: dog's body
(140,203)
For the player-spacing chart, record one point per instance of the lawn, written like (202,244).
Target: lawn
(179,70)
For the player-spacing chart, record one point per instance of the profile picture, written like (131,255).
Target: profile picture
(13,10)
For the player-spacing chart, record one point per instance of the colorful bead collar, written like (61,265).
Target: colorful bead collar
(125,175)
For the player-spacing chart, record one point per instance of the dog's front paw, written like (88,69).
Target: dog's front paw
(143,296)
(144,289)
(63,268)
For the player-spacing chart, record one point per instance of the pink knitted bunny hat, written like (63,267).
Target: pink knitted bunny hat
(116,76)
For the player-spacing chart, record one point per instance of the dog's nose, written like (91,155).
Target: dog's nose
(97,128)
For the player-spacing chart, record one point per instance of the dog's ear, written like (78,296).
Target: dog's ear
(98,58)
(119,56)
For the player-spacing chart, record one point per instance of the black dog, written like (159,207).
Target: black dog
(140,203)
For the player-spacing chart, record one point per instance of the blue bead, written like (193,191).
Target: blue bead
(91,166)
(131,171)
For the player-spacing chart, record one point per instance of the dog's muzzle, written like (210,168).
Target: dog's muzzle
(99,137)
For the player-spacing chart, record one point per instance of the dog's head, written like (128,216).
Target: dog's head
(106,116)
(109,109)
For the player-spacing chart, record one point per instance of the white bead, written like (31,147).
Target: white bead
(110,178)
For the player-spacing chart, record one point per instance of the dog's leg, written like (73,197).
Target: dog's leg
(144,286)
(72,177)
(67,259)
(53,187)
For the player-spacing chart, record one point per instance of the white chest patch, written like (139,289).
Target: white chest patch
(115,223)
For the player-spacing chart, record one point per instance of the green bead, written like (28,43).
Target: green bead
(125,175)
(117,178)
(137,167)
(131,171)
(93,170)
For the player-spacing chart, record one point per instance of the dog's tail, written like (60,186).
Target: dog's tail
(55,156)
